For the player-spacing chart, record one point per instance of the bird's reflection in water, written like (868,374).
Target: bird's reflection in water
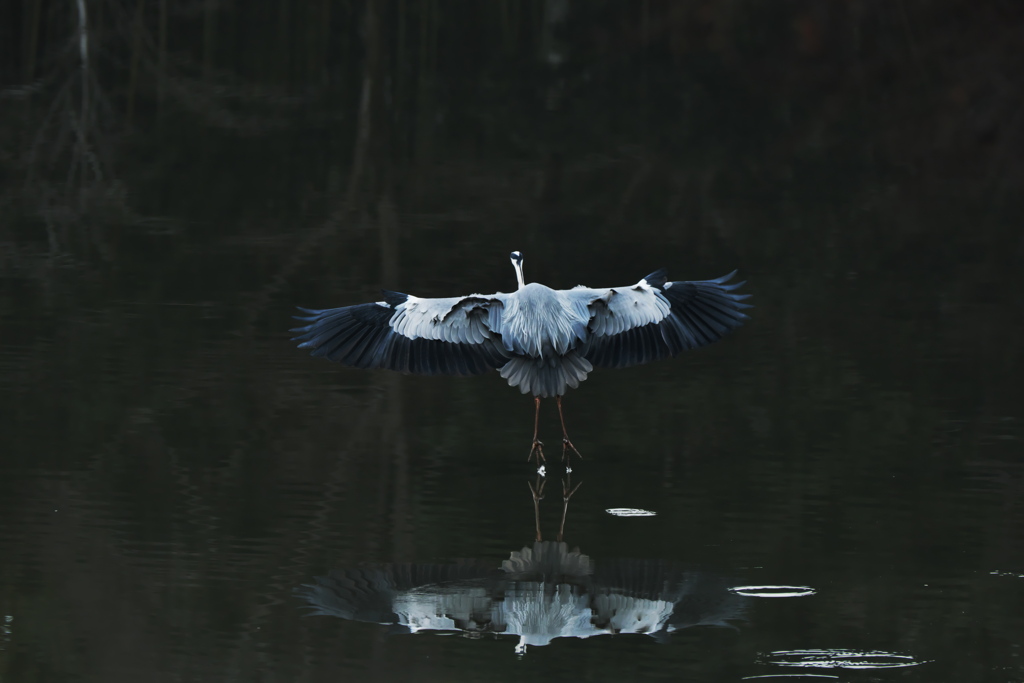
(537,491)
(542,592)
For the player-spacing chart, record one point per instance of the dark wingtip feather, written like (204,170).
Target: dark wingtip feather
(658,278)
(726,278)
(393,298)
(708,308)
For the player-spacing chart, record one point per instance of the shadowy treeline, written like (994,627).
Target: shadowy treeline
(646,111)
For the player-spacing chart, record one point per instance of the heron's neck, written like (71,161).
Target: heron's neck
(519,273)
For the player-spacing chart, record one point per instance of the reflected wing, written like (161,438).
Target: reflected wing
(656,319)
(375,594)
(409,334)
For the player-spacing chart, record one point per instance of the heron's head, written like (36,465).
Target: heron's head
(517,263)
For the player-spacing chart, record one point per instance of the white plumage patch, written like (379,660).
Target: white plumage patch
(449,319)
(618,309)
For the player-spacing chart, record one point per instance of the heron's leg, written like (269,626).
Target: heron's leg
(566,444)
(538,445)
(538,496)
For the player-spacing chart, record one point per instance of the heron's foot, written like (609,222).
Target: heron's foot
(566,447)
(537,449)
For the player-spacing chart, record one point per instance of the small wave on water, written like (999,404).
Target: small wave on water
(630,512)
(840,659)
(773,591)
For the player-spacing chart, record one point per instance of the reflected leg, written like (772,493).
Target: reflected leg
(567,490)
(566,444)
(538,496)
(538,445)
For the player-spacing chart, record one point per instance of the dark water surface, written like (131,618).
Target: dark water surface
(837,488)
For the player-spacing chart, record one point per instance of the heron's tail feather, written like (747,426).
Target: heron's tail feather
(546,377)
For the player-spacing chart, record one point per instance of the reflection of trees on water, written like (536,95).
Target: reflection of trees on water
(67,163)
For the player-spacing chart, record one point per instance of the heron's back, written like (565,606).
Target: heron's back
(542,327)
(538,321)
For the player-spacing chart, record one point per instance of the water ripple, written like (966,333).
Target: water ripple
(773,591)
(630,512)
(840,659)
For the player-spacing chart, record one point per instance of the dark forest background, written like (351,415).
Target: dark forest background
(123,118)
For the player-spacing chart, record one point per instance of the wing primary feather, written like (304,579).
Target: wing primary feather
(701,333)
(724,278)
(455,362)
(368,353)
(358,346)
(400,354)
(616,350)
(416,364)
(354,349)
(670,335)
(444,359)
(648,343)
(628,355)
(432,357)
(708,317)
(464,361)
(689,341)
(382,355)
(324,341)
(727,317)
(337,347)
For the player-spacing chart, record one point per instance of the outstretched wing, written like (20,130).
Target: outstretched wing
(408,334)
(656,319)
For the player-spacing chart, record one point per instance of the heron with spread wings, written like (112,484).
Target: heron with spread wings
(543,341)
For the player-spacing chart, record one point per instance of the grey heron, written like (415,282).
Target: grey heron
(543,341)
